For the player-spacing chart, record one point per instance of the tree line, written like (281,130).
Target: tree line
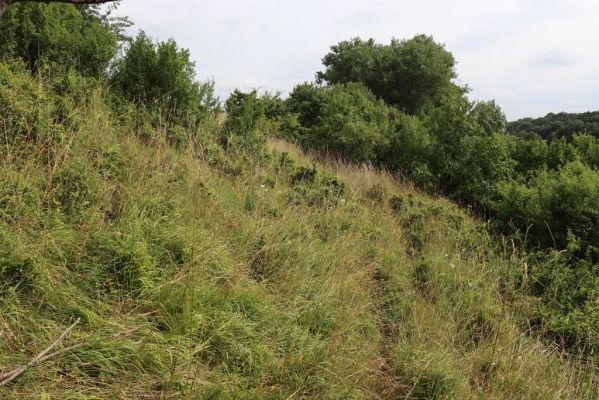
(557,126)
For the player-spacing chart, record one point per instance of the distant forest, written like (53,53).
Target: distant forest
(555,126)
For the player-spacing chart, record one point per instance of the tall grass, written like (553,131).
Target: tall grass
(205,273)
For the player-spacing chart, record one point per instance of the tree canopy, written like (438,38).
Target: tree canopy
(410,74)
(557,125)
(85,39)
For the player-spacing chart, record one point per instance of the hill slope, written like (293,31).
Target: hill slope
(206,272)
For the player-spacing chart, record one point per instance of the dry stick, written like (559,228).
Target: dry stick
(10,376)
(49,356)
(59,352)
(39,358)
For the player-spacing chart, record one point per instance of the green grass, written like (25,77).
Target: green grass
(205,273)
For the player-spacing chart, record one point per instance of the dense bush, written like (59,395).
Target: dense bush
(345,119)
(456,147)
(557,209)
(409,149)
(458,142)
(38,111)
(161,77)
(61,36)
(569,312)
(587,149)
(245,112)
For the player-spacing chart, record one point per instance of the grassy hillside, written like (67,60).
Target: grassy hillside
(203,271)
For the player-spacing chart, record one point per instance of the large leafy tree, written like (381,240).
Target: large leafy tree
(82,38)
(411,74)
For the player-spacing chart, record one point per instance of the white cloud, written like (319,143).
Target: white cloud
(532,56)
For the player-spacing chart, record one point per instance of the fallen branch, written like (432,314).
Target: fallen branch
(43,356)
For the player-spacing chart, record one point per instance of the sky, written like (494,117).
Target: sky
(531,56)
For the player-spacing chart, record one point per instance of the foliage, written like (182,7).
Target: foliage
(161,76)
(409,149)
(30,111)
(350,122)
(555,126)
(410,74)
(61,36)
(556,209)
(307,101)
(568,313)
(489,117)
(245,112)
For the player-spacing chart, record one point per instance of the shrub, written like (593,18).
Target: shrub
(315,188)
(376,194)
(40,111)
(554,207)
(587,148)
(346,120)
(481,163)
(307,101)
(409,149)
(62,36)
(489,117)
(245,112)
(161,77)
(24,115)
(304,174)
(567,313)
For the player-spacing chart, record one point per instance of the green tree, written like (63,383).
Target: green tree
(161,76)
(61,36)
(469,155)
(489,117)
(409,149)
(587,148)
(410,74)
(557,125)
(307,100)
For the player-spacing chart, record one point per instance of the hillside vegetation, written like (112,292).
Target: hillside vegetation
(370,237)
(203,272)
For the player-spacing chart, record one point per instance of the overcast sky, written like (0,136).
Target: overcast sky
(531,56)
